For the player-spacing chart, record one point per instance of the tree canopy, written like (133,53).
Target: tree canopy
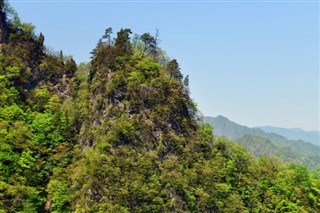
(121,134)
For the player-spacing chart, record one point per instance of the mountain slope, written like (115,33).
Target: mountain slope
(294,134)
(121,134)
(263,143)
(224,127)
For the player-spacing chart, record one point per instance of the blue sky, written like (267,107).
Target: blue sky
(255,62)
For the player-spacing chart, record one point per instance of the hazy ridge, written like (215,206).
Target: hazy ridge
(259,142)
(294,133)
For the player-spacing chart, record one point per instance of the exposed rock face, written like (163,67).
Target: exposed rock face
(4,29)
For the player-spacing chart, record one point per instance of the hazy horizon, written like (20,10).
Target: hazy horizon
(263,125)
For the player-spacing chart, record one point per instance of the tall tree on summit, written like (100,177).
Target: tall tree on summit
(107,35)
(174,70)
(123,41)
(149,42)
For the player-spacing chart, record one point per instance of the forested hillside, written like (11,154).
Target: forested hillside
(258,143)
(294,134)
(121,134)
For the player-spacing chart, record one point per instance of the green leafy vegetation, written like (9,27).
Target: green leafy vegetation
(121,134)
(259,143)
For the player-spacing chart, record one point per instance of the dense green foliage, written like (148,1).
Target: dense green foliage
(258,143)
(121,135)
(35,120)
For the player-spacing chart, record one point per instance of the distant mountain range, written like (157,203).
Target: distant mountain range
(294,134)
(259,142)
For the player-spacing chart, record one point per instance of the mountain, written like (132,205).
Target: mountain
(294,134)
(121,134)
(224,127)
(263,146)
(258,142)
